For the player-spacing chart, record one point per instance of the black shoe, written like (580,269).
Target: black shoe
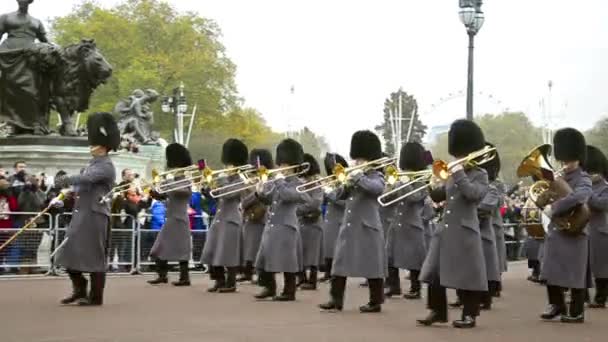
(576,319)
(485,306)
(330,306)
(496,294)
(412,295)
(325,278)
(244,278)
(158,280)
(284,298)
(432,318)
(596,305)
(392,292)
(89,302)
(552,313)
(534,279)
(308,287)
(456,304)
(181,283)
(76,296)
(231,289)
(215,287)
(265,294)
(467,322)
(370,308)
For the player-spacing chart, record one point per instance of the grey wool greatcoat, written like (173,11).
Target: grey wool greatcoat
(360,248)
(223,245)
(88,232)
(428,215)
(311,230)
(281,247)
(332,222)
(598,230)
(565,258)
(456,255)
(405,244)
(499,229)
(252,231)
(533,248)
(174,242)
(486,210)
(387,215)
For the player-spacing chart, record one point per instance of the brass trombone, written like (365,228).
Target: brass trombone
(137,183)
(411,178)
(204,175)
(440,173)
(340,173)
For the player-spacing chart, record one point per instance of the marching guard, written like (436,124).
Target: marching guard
(405,243)
(565,260)
(360,250)
(173,242)
(254,217)
(309,215)
(597,167)
(88,235)
(280,250)
(455,258)
(222,251)
(333,215)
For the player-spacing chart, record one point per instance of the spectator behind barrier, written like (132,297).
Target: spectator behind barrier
(3,173)
(157,215)
(18,179)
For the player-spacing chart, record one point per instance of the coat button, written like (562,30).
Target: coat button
(400,214)
(446,225)
(348,224)
(451,197)
(448,212)
(399,224)
(349,211)
(350,199)
(272,226)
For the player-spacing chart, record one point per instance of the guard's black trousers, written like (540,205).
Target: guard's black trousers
(338,288)
(577,300)
(438,300)
(601,290)
(98,284)
(224,276)
(267,280)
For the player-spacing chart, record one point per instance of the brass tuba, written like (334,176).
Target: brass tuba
(550,187)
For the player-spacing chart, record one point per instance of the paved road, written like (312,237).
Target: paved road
(135,312)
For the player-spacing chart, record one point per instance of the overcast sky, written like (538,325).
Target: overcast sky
(345,56)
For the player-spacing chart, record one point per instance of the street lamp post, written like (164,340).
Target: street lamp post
(178,106)
(473,18)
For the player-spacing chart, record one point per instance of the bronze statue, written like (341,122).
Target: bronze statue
(36,76)
(136,117)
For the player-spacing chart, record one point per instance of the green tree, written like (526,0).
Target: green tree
(513,135)
(409,109)
(598,135)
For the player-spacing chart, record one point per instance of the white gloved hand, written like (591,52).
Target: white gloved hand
(327,189)
(279,176)
(456,168)
(56,203)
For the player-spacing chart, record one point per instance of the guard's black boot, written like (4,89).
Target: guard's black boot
(98,284)
(415,286)
(247,273)
(486,301)
(289,289)
(184,275)
(311,284)
(466,322)
(327,275)
(432,318)
(376,296)
(268,281)
(336,292)
(162,268)
(230,286)
(79,288)
(552,313)
(577,307)
(393,282)
(601,292)
(301,278)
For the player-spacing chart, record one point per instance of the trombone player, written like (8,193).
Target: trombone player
(405,244)
(222,251)
(455,258)
(565,259)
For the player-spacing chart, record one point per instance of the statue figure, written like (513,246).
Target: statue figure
(36,76)
(136,116)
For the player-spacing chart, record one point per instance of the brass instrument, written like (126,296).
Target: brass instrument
(205,175)
(532,218)
(340,174)
(141,184)
(260,175)
(550,187)
(410,178)
(440,172)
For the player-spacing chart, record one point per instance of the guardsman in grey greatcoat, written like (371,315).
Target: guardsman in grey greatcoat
(455,258)
(566,256)
(173,242)
(85,250)
(333,214)
(280,250)
(533,247)
(597,167)
(405,244)
(311,230)
(487,210)
(428,219)
(222,251)
(499,231)
(360,250)
(254,217)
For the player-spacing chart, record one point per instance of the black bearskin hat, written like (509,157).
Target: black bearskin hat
(234,152)
(412,157)
(264,156)
(569,145)
(314,165)
(103,130)
(492,167)
(177,156)
(331,160)
(596,161)
(289,152)
(464,138)
(365,145)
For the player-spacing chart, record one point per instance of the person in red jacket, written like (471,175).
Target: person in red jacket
(8,204)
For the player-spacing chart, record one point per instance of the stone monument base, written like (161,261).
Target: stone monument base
(53,153)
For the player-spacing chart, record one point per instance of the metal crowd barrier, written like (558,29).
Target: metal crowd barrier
(30,252)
